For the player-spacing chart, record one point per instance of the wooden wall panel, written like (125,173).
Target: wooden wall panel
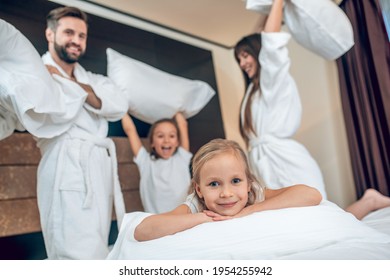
(19,148)
(128,176)
(18,182)
(132,201)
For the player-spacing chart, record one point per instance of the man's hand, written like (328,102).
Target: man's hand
(92,99)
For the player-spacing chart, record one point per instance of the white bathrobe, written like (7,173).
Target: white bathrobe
(276,113)
(77,176)
(30,98)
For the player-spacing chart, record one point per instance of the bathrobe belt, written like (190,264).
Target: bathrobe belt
(263,140)
(85,152)
(86,149)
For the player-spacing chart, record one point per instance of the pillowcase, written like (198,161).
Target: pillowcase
(29,92)
(274,234)
(262,6)
(154,94)
(379,219)
(320,25)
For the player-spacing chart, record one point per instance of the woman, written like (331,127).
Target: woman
(271,109)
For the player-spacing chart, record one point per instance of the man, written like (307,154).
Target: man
(77,176)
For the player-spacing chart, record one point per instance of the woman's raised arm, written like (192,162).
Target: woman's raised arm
(273,22)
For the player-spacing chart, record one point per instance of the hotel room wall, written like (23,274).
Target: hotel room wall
(322,130)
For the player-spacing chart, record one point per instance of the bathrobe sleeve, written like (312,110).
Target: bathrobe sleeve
(114,102)
(278,89)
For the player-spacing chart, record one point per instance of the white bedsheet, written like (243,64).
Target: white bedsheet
(319,232)
(380,220)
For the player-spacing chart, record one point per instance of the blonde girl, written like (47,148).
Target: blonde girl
(223,188)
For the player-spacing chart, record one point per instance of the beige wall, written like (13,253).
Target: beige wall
(322,130)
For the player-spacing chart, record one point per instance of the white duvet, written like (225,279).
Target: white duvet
(318,232)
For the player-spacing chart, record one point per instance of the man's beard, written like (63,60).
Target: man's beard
(63,55)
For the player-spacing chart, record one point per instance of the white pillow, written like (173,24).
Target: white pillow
(27,90)
(154,94)
(8,123)
(274,234)
(262,6)
(318,25)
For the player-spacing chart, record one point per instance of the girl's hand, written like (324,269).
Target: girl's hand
(245,212)
(216,216)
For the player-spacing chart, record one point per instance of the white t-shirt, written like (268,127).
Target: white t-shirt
(164,183)
(192,202)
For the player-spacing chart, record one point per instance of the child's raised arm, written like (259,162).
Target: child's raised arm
(132,134)
(160,225)
(183,130)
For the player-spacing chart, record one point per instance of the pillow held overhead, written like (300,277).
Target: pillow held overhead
(320,25)
(154,94)
(28,92)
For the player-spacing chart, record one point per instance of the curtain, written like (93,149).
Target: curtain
(364,74)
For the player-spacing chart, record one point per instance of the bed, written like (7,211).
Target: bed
(320,232)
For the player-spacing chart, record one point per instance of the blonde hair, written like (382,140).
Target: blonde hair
(216,147)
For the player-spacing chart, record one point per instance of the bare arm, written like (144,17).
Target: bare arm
(274,20)
(183,130)
(293,196)
(160,225)
(132,134)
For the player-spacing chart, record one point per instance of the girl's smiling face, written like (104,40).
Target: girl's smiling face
(223,184)
(165,140)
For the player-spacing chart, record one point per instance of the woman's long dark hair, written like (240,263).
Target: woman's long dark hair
(250,44)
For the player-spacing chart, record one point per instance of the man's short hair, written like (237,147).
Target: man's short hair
(55,15)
